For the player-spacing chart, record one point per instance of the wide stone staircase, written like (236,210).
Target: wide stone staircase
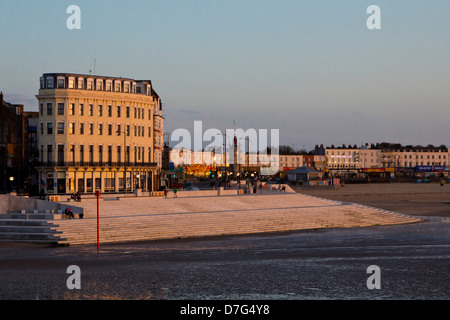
(150,218)
(35,227)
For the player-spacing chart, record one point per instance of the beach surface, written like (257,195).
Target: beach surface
(326,263)
(416,199)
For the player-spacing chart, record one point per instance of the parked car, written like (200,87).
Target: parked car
(192,188)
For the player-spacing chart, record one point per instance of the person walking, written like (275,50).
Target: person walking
(175,193)
(42,192)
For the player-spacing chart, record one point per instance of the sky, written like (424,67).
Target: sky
(311,69)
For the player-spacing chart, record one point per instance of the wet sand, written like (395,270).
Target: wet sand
(320,264)
(416,199)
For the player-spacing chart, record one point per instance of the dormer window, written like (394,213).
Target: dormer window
(71,83)
(90,84)
(117,86)
(99,85)
(61,83)
(49,83)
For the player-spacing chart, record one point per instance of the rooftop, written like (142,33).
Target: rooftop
(76,75)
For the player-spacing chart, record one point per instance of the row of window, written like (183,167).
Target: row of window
(139,112)
(404,164)
(343,153)
(286,159)
(417,157)
(343,166)
(422,163)
(89,181)
(428,156)
(139,154)
(353,153)
(139,131)
(91,84)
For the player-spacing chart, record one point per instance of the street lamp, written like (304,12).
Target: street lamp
(11,179)
(124,156)
(225,156)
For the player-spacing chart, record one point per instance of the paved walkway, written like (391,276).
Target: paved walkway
(155,218)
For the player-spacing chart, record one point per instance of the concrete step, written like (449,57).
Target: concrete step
(138,219)
(20,222)
(28,216)
(29,236)
(28,229)
(155,234)
(36,241)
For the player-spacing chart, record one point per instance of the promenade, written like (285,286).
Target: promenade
(158,218)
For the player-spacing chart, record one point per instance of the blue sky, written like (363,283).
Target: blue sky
(309,68)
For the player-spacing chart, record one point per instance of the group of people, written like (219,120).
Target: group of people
(167,191)
(76,197)
(68,212)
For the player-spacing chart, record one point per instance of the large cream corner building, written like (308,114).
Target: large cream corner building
(95,130)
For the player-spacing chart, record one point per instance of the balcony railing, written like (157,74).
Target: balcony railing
(103,164)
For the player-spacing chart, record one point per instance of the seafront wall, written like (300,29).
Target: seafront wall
(11,203)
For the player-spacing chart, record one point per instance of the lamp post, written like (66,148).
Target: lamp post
(124,156)
(225,156)
(11,179)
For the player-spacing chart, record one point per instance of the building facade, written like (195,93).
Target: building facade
(347,160)
(341,160)
(18,141)
(98,133)
(290,162)
(413,160)
(392,159)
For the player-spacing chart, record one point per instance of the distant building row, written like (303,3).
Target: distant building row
(334,160)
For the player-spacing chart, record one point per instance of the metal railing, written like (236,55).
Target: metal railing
(96,164)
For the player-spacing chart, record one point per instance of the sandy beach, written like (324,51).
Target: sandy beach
(418,199)
(311,264)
